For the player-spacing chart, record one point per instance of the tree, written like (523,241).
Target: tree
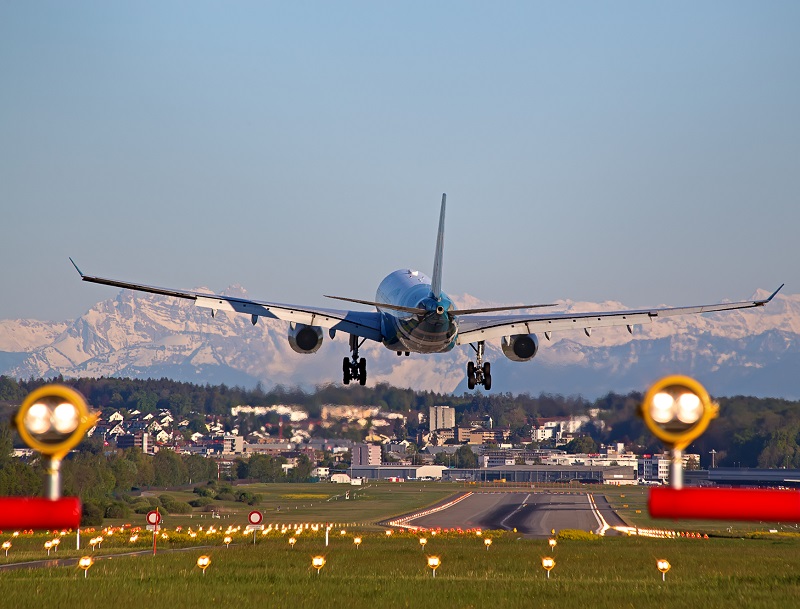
(465,458)
(581,445)
(169,469)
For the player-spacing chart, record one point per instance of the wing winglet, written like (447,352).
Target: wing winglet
(81,272)
(771,296)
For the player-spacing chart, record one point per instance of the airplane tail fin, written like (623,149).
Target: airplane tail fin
(436,280)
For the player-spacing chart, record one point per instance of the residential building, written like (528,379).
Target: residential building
(140,440)
(366,454)
(442,417)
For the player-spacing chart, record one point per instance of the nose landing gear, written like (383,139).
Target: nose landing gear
(479,372)
(355,368)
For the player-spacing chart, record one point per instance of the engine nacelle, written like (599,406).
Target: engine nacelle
(520,347)
(305,339)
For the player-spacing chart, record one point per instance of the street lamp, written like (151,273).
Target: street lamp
(203,562)
(318,562)
(357,541)
(55,543)
(292,541)
(433,563)
(6,546)
(48,545)
(422,542)
(227,540)
(548,564)
(487,542)
(552,542)
(663,566)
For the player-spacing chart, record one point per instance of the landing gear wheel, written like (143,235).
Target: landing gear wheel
(346,371)
(362,371)
(479,372)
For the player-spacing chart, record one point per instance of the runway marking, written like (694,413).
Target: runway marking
(522,505)
(603,525)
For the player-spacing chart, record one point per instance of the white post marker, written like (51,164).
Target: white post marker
(255,518)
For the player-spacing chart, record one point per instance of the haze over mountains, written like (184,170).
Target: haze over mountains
(754,352)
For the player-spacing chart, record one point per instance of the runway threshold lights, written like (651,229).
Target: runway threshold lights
(52,420)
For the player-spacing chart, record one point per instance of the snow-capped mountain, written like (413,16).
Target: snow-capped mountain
(753,351)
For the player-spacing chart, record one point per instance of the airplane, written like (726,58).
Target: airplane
(414,315)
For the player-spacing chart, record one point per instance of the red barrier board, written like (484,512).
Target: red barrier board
(39,513)
(725,504)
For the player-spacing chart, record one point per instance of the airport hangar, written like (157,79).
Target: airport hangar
(519,474)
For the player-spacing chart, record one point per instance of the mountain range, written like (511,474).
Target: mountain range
(751,352)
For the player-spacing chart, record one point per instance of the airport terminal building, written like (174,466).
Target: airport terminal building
(519,474)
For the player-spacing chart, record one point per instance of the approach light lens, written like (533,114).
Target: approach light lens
(65,418)
(690,409)
(662,407)
(37,419)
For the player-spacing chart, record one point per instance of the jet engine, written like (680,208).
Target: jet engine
(305,339)
(520,347)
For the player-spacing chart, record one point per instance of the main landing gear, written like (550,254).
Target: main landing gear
(354,369)
(479,372)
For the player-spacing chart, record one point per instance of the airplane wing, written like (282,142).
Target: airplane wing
(359,323)
(473,328)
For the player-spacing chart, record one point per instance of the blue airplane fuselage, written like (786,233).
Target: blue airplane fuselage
(432,333)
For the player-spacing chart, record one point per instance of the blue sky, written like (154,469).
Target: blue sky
(642,152)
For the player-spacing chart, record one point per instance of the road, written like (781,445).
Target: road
(532,514)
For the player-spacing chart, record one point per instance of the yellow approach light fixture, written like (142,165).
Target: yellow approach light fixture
(677,409)
(53,420)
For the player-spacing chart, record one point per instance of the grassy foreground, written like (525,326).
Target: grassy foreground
(392,572)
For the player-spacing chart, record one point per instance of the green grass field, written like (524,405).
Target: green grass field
(392,571)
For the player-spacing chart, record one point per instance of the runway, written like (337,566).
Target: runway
(532,514)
